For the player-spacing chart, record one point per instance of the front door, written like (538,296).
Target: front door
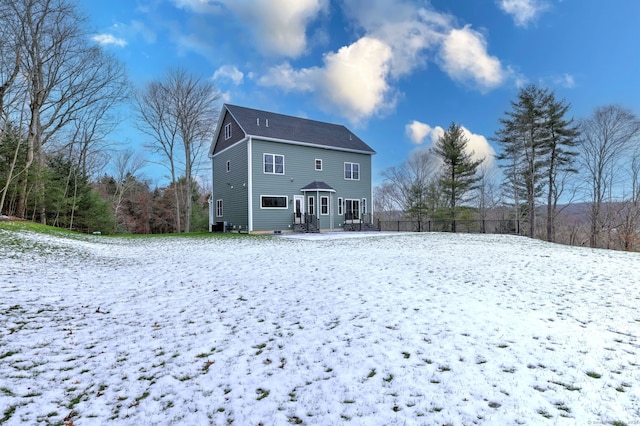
(352,210)
(298,203)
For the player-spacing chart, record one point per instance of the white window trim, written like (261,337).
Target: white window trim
(322,198)
(227,131)
(312,205)
(315,164)
(219,208)
(351,170)
(228,166)
(363,206)
(275,208)
(264,162)
(340,206)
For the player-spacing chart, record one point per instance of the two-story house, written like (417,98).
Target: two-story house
(277,173)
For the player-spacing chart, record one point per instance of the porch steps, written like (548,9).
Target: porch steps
(306,228)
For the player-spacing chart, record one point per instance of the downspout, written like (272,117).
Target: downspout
(249,187)
(211,198)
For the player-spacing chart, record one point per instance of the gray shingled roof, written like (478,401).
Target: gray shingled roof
(317,186)
(299,130)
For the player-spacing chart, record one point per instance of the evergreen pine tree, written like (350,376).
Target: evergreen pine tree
(459,175)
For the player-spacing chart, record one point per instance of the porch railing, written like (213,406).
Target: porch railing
(309,221)
(499,226)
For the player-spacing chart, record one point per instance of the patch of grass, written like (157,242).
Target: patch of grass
(260,348)
(544,413)
(566,386)
(389,378)
(593,374)
(8,353)
(444,368)
(8,413)
(6,391)
(262,393)
(562,406)
(494,404)
(371,373)
(406,355)
(75,401)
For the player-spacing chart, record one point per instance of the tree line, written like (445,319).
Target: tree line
(565,180)
(570,181)
(60,94)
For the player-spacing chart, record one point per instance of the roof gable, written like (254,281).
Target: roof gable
(285,128)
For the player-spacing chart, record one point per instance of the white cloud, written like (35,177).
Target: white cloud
(279,26)
(523,11)
(410,31)
(199,6)
(229,72)
(464,57)
(417,131)
(565,80)
(109,39)
(477,145)
(352,81)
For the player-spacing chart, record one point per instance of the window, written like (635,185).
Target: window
(227,131)
(352,171)
(274,164)
(364,206)
(274,202)
(312,206)
(219,210)
(324,205)
(228,165)
(318,164)
(340,207)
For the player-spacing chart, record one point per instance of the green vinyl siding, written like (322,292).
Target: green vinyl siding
(232,186)
(300,170)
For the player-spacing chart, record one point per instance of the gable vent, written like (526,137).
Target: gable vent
(258,121)
(267,122)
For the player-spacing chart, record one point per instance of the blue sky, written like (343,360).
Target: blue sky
(394,71)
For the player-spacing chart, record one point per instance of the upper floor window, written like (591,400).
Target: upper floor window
(227,131)
(352,171)
(219,210)
(274,164)
(228,165)
(318,164)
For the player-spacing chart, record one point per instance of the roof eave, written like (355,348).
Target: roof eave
(292,142)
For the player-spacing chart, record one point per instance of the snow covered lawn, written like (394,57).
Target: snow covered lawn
(424,329)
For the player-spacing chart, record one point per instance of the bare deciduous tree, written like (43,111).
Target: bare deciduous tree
(63,74)
(179,112)
(407,185)
(607,137)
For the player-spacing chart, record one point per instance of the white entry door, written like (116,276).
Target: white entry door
(298,205)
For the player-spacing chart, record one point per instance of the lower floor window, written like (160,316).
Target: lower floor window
(324,205)
(273,202)
(219,211)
